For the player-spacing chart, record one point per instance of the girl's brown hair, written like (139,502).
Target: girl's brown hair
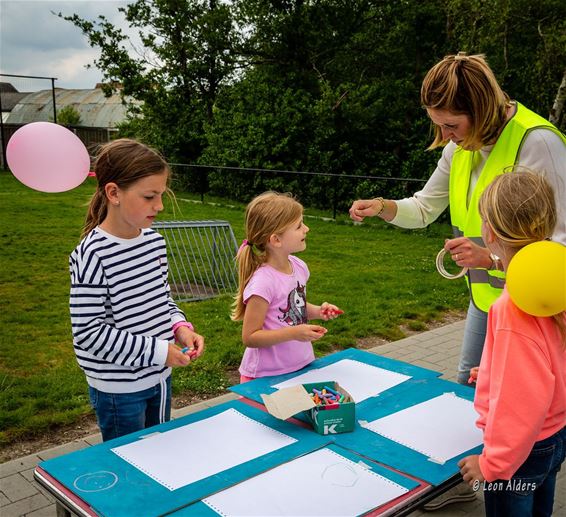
(466,85)
(520,208)
(267,214)
(124,162)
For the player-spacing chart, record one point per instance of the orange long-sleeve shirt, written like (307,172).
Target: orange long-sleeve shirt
(521,387)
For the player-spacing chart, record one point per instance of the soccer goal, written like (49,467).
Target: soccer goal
(201,258)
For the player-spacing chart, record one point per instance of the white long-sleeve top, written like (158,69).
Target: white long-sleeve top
(542,151)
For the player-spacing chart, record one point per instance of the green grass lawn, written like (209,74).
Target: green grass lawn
(381,276)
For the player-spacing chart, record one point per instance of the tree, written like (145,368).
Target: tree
(68,116)
(332,87)
(187,53)
(524,41)
(315,85)
(557,115)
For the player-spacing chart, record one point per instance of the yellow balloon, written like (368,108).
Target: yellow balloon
(536,278)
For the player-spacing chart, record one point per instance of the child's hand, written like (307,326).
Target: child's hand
(329,311)
(473,374)
(189,339)
(470,470)
(175,357)
(307,332)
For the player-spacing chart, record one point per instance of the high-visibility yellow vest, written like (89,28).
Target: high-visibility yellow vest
(486,285)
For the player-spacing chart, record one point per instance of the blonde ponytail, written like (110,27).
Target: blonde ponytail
(248,262)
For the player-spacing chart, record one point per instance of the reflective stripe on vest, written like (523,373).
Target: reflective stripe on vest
(485,286)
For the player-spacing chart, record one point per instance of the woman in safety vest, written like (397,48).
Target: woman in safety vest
(484,134)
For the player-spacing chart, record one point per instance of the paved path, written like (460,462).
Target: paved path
(436,349)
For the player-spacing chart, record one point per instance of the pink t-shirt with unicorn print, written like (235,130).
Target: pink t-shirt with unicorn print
(287,298)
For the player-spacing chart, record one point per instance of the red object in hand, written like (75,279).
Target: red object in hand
(332,311)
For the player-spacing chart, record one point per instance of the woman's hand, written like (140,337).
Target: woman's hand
(308,332)
(470,470)
(363,208)
(468,254)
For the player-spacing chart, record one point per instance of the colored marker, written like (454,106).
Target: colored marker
(332,312)
(331,390)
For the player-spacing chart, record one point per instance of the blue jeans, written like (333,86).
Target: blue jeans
(530,492)
(472,345)
(123,413)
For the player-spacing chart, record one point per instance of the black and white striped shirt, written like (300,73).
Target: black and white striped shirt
(122,312)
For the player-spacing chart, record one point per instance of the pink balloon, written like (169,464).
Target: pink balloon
(47,157)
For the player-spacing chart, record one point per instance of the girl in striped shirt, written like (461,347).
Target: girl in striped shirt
(125,324)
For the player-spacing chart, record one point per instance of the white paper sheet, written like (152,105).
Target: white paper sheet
(360,380)
(440,428)
(320,483)
(195,451)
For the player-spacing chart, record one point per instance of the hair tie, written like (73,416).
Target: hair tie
(461,56)
(245,243)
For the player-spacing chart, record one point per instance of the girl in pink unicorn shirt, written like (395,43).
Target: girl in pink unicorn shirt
(272,294)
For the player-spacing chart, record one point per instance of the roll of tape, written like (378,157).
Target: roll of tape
(442,271)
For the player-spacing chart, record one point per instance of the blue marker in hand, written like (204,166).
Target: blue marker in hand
(188,349)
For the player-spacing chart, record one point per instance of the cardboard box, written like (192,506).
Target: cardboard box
(332,420)
(291,401)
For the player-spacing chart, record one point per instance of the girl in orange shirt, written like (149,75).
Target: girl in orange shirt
(521,384)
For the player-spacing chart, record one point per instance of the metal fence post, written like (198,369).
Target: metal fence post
(334,196)
(53,95)
(4,166)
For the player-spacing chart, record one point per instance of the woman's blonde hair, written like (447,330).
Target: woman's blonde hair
(124,162)
(267,214)
(520,208)
(466,85)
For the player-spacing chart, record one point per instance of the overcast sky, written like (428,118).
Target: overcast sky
(35,42)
